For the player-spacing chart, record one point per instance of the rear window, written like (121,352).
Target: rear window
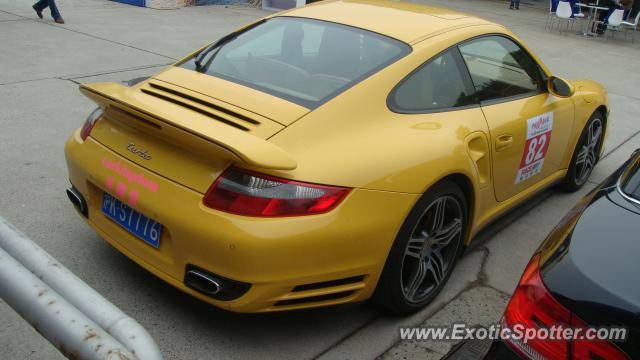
(304,61)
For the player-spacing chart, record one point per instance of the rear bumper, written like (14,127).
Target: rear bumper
(501,351)
(273,255)
(486,349)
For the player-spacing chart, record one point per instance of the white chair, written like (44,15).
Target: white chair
(616,18)
(563,13)
(615,21)
(631,26)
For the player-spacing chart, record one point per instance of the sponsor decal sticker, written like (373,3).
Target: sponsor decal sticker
(126,191)
(535,148)
(131,176)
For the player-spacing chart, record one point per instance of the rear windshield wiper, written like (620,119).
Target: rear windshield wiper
(200,67)
(215,46)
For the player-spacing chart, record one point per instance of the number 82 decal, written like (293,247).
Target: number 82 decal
(535,148)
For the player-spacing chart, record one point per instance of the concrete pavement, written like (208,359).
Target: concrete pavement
(41,65)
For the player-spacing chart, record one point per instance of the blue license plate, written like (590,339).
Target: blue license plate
(139,225)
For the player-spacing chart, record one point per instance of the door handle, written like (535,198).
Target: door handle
(503,142)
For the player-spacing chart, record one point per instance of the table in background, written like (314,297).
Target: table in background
(593,12)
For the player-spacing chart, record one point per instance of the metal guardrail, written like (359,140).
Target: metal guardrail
(60,306)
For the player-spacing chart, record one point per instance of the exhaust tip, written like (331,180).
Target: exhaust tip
(202,282)
(77,200)
(215,286)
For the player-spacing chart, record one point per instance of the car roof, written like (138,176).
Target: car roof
(405,21)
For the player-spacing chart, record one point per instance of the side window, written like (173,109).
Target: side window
(438,84)
(500,68)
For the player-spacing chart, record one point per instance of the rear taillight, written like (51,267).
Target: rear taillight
(533,307)
(90,123)
(247,193)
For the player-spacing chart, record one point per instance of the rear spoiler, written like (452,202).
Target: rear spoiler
(233,144)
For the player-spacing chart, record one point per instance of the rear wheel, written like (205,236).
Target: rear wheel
(586,153)
(425,250)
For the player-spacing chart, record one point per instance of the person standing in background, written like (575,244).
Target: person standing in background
(42,4)
(515,4)
(575,9)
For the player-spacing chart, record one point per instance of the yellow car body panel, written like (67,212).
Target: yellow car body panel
(243,147)
(274,255)
(354,140)
(256,102)
(405,21)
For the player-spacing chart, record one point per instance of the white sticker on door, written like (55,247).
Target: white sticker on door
(535,148)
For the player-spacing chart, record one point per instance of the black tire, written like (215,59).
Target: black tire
(586,154)
(399,289)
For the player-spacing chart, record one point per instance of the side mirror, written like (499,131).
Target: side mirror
(560,87)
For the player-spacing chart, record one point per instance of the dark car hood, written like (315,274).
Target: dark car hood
(591,261)
(598,269)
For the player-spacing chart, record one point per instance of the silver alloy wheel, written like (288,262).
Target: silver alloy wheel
(587,155)
(432,248)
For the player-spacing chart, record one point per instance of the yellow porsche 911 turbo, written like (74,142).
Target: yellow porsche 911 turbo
(333,153)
